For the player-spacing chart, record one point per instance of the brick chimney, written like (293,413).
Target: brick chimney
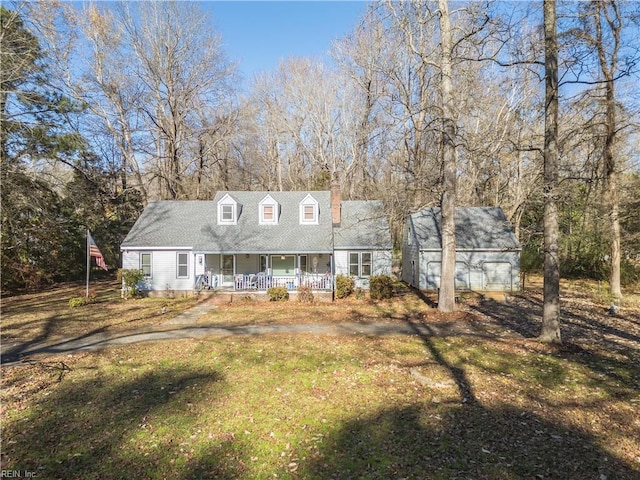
(335,200)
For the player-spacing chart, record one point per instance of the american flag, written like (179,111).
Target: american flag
(95,252)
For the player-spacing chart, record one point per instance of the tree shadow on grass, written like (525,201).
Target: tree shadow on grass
(457,374)
(591,338)
(107,428)
(461,439)
(580,322)
(423,296)
(453,441)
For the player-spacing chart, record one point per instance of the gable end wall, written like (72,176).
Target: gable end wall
(164,269)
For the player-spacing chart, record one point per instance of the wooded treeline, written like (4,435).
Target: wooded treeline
(106,107)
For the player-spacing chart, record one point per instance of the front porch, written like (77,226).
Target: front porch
(261,281)
(259,272)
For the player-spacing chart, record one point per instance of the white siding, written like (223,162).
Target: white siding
(164,269)
(381,262)
(341,262)
(131,260)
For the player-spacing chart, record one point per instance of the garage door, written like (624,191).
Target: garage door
(434,270)
(497,276)
(462,276)
(433,275)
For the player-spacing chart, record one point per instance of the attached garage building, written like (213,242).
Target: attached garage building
(487,251)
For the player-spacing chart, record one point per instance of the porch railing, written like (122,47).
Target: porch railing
(290,282)
(206,281)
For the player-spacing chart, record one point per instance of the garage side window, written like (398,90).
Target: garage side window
(145,264)
(183,265)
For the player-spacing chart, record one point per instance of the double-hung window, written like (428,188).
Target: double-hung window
(365,264)
(360,264)
(268,211)
(145,264)
(226,213)
(183,265)
(354,264)
(309,211)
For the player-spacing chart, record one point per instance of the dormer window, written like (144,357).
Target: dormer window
(309,214)
(309,211)
(268,211)
(227,211)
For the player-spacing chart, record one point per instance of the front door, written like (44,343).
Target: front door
(228,264)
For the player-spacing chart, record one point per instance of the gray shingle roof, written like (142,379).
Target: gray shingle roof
(248,236)
(169,224)
(363,224)
(194,224)
(477,228)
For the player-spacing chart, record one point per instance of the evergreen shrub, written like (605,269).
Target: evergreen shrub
(278,294)
(380,287)
(344,286)
(76,302)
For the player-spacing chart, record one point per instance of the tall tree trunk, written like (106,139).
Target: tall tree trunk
(201,166)
(611,191)
(550,332)
(4,134)
(608,57)
(446,296)
(614,218)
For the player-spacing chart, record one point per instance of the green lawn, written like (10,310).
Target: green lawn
(328,406)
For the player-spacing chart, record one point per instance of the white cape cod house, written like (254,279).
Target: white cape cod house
(250,241)
(487,250)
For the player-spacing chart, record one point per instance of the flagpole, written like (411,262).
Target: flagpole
(88,264)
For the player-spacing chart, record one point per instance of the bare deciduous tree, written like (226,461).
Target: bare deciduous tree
(180,66)
(446,296)
(550,332)
(602,22)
